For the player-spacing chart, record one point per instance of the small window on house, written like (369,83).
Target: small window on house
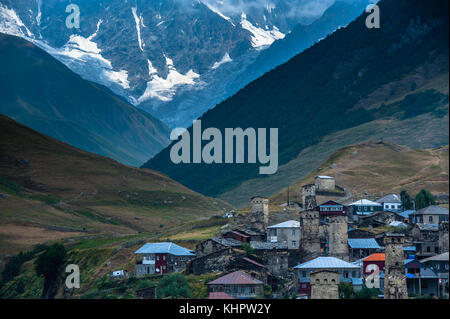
(430,219)
(294,243)
(293,232)
(303,273)
(428,249)
(157,257)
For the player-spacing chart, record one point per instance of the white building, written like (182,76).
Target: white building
(288,231)
(391,202)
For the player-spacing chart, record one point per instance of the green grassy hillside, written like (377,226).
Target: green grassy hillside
(52,191)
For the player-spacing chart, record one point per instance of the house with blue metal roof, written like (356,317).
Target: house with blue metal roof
(348,272)
(362,247)
(161,258)
(406,214)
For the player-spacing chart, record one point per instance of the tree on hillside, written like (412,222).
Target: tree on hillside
(174,286)
(424,199)
(50,264)
(12,267)
(406,200)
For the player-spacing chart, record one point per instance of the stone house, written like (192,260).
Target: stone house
(275,256)
(161,258)
(347,272)
(426,239)
(324,284)
(324,183)
(381,218)
(429,215)
(215,244)
(237,284)
(216,261)
(288,231)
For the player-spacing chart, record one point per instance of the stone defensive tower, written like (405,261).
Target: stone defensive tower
(443,237)
(309,235)
(338,236)
(394,275)
(309,197)
(259,219)
(324,284)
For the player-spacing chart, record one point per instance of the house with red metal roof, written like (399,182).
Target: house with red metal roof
(237,284)
(377,259)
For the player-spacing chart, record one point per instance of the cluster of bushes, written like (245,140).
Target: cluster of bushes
(346,291)
(14,264)
(423,199)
